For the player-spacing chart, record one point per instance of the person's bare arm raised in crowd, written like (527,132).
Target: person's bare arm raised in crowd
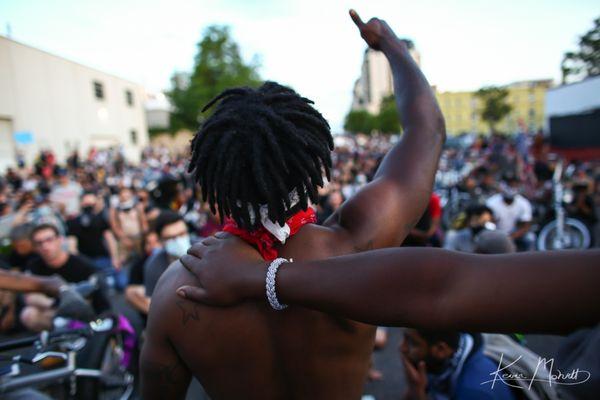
(418,287)
(384,211)
(379,215)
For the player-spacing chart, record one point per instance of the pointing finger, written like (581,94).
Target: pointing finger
(355,17)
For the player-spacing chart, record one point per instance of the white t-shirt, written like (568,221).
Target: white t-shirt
(507,215)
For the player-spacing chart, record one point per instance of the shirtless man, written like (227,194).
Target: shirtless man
(258,159)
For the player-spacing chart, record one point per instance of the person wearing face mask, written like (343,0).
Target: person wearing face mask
(513,213)
(175,241)
(89,233)
(448,365)
(478,218)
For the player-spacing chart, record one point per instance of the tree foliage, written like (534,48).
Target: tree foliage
(495,106)
(218,65)
(585,61)
(386,121)
(359,121)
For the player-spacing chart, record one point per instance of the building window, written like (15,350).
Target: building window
(98,90)
(133,135)
(129,97)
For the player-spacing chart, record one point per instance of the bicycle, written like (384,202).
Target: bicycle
(82,361)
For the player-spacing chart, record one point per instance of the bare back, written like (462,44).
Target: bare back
(252,351)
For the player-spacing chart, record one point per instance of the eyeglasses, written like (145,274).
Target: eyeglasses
(39,243)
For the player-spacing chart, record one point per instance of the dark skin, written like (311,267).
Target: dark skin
(435,289)
(251,351)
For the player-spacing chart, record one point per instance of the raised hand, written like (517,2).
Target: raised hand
(374,32)
(416,378)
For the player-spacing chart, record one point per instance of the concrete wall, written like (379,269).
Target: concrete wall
(54,99)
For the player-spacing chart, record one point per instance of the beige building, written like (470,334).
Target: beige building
(375,81)
(462,109)
(48,102)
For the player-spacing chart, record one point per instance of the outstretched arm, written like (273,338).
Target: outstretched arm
(384,211)
(440,289)
(419,287)
(20,282)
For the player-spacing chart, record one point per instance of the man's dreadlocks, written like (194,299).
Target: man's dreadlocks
(257,147)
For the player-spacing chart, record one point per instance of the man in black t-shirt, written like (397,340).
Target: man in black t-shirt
(39,309)
(94,238)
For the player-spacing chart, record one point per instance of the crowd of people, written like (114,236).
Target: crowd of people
(101,213)
(500,183)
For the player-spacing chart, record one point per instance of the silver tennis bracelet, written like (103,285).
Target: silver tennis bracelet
(270,283)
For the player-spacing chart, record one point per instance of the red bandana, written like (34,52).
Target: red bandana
(263,240)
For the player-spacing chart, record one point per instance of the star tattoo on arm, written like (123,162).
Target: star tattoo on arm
(188,311)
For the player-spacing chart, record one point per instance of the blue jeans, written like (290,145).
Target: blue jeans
(118,278)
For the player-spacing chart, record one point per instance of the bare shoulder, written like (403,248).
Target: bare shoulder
(166,307)
(316,241)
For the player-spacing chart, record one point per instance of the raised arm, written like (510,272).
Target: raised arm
(417,287)
(384,211)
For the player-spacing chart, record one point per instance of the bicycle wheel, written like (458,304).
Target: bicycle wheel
(575,236)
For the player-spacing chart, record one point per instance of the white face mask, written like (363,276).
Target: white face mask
(177,247)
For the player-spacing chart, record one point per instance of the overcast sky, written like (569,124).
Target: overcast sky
(311,45)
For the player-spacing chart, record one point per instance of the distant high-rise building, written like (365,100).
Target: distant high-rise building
(375,81)
(462,110)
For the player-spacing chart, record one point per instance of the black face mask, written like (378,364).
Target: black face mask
(88,209)
(508,199)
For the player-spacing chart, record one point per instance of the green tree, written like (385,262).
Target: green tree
(495,106)
(218,65)
(359,121)
(585,61)
(388,119)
